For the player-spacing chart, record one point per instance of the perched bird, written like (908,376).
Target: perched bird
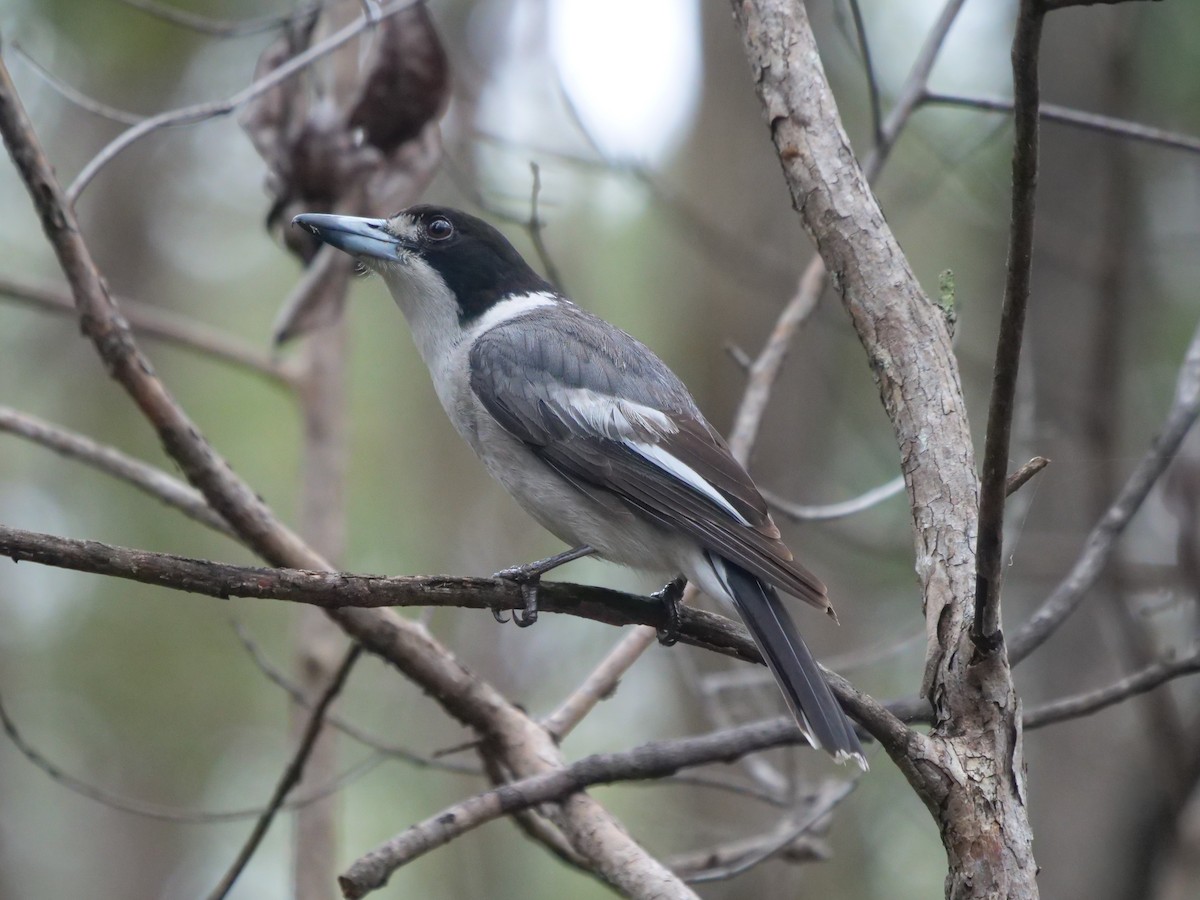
(592,434)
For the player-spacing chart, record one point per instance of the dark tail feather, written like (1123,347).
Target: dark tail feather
(820,716)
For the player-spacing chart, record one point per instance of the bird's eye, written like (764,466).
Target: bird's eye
(439,229)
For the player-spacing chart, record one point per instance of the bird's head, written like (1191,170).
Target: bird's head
(433,255)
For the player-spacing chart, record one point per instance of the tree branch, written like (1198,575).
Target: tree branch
(1147,679)
(166,326)
(1134,131)
(1072,590)
(654,760)
(200,111)
(158,811)
(145,477)
(291,775)
(340,590)
(985,628)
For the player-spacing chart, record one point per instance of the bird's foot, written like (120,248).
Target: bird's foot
(670,596)
(528,578)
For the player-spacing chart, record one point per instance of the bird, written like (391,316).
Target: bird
(593,435)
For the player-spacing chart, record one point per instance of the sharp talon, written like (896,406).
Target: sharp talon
(669,596)
(525,618)
(498,615)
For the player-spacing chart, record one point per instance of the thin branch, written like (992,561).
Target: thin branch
(1139,682)
(199,112)
(381,747)
(1050,5)
(985,628)
(221,28)
(1100,542)
(72,94)
(1019,478)
(913,89)
(805,849)
(764,371)
(145,477)
(535,227)
(164,325)
(600,682)
(1077,118)
(821,808)
(860,31)
(291,775)
(653,760)
(168,813)
(799,512)
(339,590)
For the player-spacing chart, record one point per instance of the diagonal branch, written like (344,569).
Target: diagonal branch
(1072,590)
(201,111)
(1147,679)
(145,477)
(164,325)
(292,774)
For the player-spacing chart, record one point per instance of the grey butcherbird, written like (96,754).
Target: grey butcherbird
(591,433)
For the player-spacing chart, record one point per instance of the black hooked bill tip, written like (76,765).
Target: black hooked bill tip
(354,235)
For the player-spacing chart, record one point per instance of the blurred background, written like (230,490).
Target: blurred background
(666,213)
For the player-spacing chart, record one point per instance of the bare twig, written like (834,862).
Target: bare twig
(168,813)
(1049,5)
(210,110)
(381,747)
(535,227)
(143,476)
(653,760)
(860,31)
(766,367)
(291,775)
(1019,478)
(1139,682)
(821,807)
(340,590)
(804,849)
(1100,542)
(1135,131)
(600,683)
(985,628)
(799,512)
(163,325)
(73,94)
(913,89)
(221,28)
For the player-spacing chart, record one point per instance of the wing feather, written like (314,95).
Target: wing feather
(602,410)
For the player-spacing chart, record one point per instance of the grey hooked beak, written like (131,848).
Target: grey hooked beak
(354,235)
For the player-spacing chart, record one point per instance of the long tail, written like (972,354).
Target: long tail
(819,715)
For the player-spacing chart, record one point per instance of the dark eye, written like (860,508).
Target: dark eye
(439,229)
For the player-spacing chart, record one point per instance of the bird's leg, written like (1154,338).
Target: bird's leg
(669,596)
(527,578)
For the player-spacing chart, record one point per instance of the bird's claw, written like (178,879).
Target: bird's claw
(528,583)
(670,596)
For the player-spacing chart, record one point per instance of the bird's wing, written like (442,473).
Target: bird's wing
(603,411)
